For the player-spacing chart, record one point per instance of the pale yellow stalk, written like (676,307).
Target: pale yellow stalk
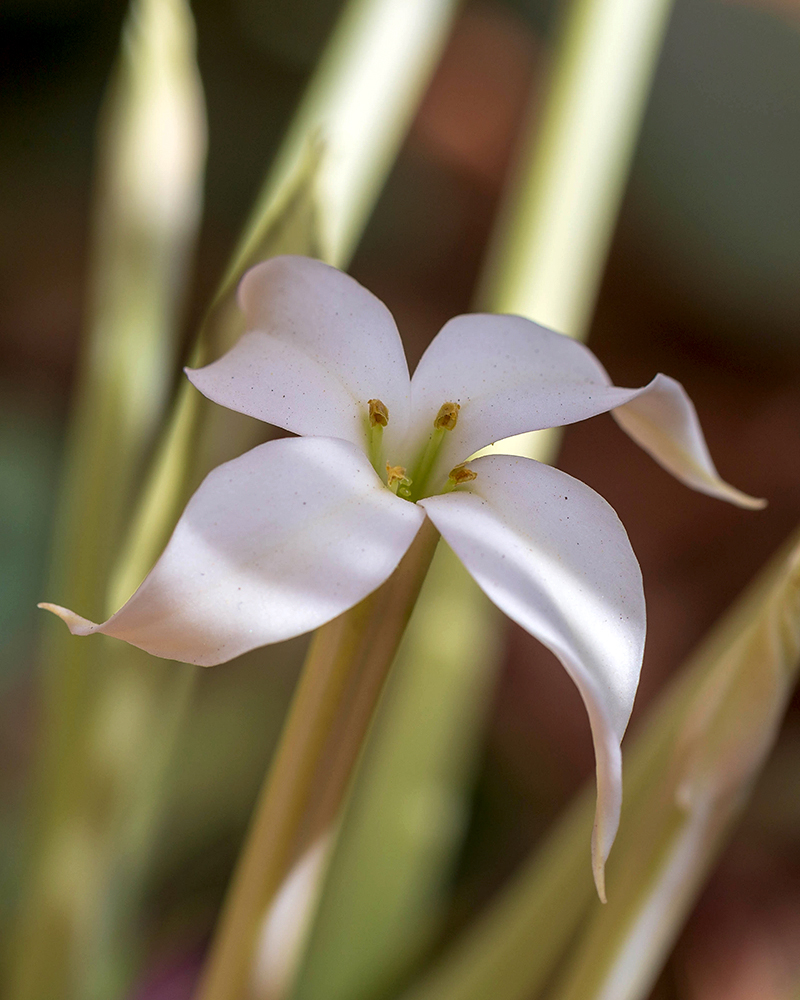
(673,831)
(681,795)
(99,754)
(151,157)
(546,263)
(331,711)
(556,225)
(357,109)
(386,891)
(549,250)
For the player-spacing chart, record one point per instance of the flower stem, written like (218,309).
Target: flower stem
(341,681)
(549,249)
(550,245)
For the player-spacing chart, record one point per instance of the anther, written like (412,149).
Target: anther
(447,417)
(461,474)
(378,413)
(397,481)
(395,474)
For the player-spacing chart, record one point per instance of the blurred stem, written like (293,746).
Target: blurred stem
(549,249)
(556,225)
(546,262)
(345,136)
(151,153)
(618,951)
(357,109)
(512,948)
(674,829)
(112,711)
(407,803)
(340,684)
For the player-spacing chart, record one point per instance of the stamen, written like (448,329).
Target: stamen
(447,417)
(378,419)
(378,413)
(446,420)
(461,474)
(397,480)
(394,474)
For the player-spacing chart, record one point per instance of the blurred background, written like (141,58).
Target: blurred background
(703,282)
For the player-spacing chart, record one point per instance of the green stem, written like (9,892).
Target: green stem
(329,171)
(549,249)
(340,684)
(357,108)
(556,225)
(85,852)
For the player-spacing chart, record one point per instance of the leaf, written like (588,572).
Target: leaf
(687,773)
(673,831)
(146,212)
(200,435)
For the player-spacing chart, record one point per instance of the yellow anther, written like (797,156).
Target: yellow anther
(378,413)
(461,474)
(395,474)
(397,481)
(447,417)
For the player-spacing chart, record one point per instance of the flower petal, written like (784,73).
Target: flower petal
(509,375)
(272,544)
(318,347)
(662,419)
(553,555)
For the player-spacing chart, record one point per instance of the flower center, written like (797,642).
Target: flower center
(414,486)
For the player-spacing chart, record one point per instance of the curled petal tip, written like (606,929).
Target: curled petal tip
(598,869)
(76,624)
(745,500)
(718,488)
(661,418)
(600,882)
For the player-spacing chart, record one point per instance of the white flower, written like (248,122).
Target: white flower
(298,530)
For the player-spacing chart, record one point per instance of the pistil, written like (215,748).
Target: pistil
(397,481)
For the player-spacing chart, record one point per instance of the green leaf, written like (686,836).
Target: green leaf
(98,806)
(145,217)
(672,832)
(201,434)
(688,771)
